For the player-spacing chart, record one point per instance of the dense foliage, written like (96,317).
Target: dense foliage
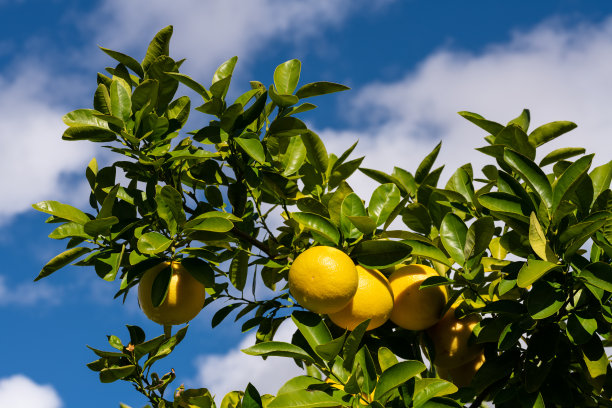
(528,247)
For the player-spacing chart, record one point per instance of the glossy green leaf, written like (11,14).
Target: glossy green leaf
(569,180)
(427,163)
(102,101)
(287,126)
(416,217)
(121,103)
(278,348)
(595,358)
(312,328)
(538,241)
(159,289)
(502,202)
(84,117)
(319,225)
(170,208)
(114,373)
(491,127)
(343,171)
(428,251)
(294,156)
(100,226)
(70,230)
(384,199)
(383,178)
(284,101)
(214,224)
(601,177)
(225,70)
(253,147)
(351,344)
(201,270)
(550,131)
(522,121)
(561,154)
(532,174)
(91,133)
(153,243)
(304,399)
(287,76)
(365,224)
(328,351)
(453,234)
(598,274)
(191,84)
(461,182)
(64,211)
(319,88)
(515,138)
(386,359)
(533,270)
(428,388)
(351,206)
(397,375)
(160,45)
(238,270)
(545,299)
(579,329)
(315,151)
(380,254)
(478,237)
(61,260)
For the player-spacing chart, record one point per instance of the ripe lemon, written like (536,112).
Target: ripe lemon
(373,300)
(462,376)
(323,279)
(415,309)
(450,337)
(183,302)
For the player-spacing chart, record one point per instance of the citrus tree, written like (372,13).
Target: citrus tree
(423,295)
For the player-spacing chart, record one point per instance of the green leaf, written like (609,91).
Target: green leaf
(383,178)
(100,226)
(225,70)
(287,76)
(538,241)
(70,230)
(320,225)
(191,84)
(428,388)
(502,202)
(331,349)
(222,314)
(287,126)
(478,237)
(153,243)
(284,101)
(367,378)
(428,251)
(595,358)
(319,88)
(397,375)
(363,223)
(84,117)
(522,121)
(312,328)
(61,260)
(343,171)
(550,131)
(278,348)
(453,234)
(64,211)
(491,127)
(91,133)
(384,199)
(303,398)
(386,359)
(145,94)
(315,151)
(214,224)
(351,206)
(601,177)
(351,345)
(121,103)
(102,101)
(238,270)
(598,274)
(545,299)
(533,270)
(201,270)
(253,147)
(251,398)
(170,208)
(159,45)
(294,156)
(461,182)
(532,174)
(570,179)
(417,218)
(426,165)
(114,373)
(380,254)
(159,289)
(579,329)
(561,154)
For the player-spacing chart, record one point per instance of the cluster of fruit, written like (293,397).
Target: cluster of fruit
(325,280)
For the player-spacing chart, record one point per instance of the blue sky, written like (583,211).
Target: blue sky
(412,65)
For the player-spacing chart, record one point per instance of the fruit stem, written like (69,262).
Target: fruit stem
(167,330)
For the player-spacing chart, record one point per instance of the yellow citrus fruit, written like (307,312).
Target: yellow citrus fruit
(323,279)
(184,300)
(416,309)
(373,300)
(462,376)
(450,337)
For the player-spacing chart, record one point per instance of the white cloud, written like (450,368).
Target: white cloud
(20,391)
(27,293)
(234,370)
(209,32)
(559,73)
(34,158)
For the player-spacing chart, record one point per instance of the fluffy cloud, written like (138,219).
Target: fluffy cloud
(234,369)
(220,29)
(556,72)
(20,391)
(27,293)
(35,161)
